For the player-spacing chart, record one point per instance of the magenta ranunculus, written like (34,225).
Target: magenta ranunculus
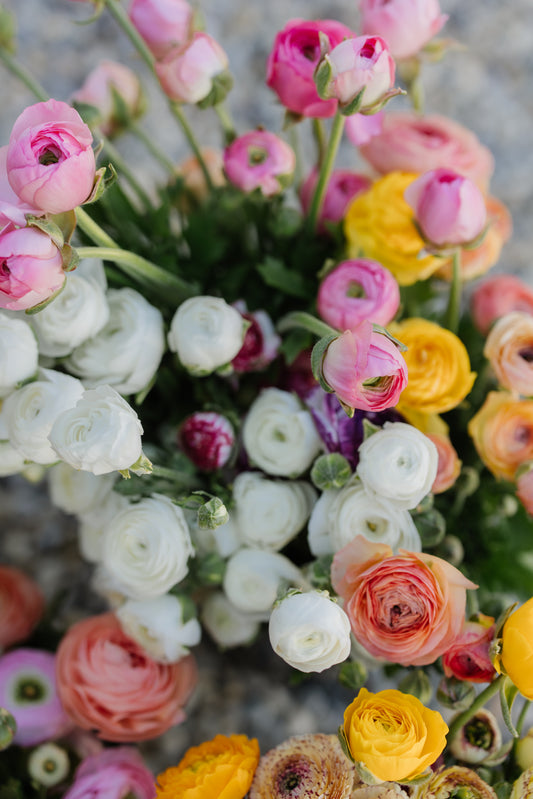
(50,161)
(356,291)
(31,268)
(407,25)
(343,186)
(187,73)
(449,209)
(207,438)
(12,209)
(293,60)
(261,342)
(163,24)
(259,160)
(112,774)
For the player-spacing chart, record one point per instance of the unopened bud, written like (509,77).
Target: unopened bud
(353,675)
(477,739)
(524,750)
(456,694)
(212,514)
(48,765)
(330,471)
(210,569)
(417,684)
(8,728)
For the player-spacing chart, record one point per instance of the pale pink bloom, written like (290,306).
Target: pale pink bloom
(186,73)
(407,608)
(50,161)
(449,465)
(449,208)
(21,606)
(343,186)
(509,349)
(31,268)
(293,60)
(259,160)
(365,369)
(413,143)
(468,657)
(12,208)
(163,24)
(524,486)
(98,90)
(407,25)
(356,291)
(498,296)
(261,342)
(112,774)
(207,438)
(361,128)
(363,62)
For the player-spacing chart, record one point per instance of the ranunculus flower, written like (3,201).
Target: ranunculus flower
(93,522)
(449,208)
(207,438)
(261,342)
(365,369)
(498,296)
(187,73)
(12,209)
(77,492)
(524,485)
(413,143)
(468,656)
(356,291)
(157,625)
(406,608)
(292,62)
(509,349)
(310,631)
(449,465)
(18,353)
(226,624)
(343,185)
(222,767)
(163,24)
(48,765)
(113,773)
(105,81)
(21,606)
(259,160)
(193,177)
(253,578)
(478,739)
(107,683)
(523,786)
(50,161)
(407,25)
(360,128)
(516,655)
(392,734)
(31,268)
(453,780)
(502,431)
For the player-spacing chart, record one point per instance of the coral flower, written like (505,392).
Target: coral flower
(21,606)
(502,431)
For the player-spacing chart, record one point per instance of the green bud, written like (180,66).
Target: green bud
(8,29)
(353,675)
(432,527)
(8,728)
(209,570)
(417,683)
(330,471)
(455,694)
(212,514)
(319,572)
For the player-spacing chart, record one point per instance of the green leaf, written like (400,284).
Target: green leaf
(277,276)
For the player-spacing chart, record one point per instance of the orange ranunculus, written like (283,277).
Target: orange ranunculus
(106,682)
(502,431)
(509,349)
(449,467)
(223,767)
(21,606)
(406,608)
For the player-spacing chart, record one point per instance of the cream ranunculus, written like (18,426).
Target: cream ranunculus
(227,624)
(18,352)
(310,631)
(77,492)
(147,546)
(279,434)
(157,625)
(206,333)
(270,513)
(93,524)
(398,463)
(253,578)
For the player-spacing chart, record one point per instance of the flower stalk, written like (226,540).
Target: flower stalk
(453,310)
(481,699)
(23,74)
(326,169)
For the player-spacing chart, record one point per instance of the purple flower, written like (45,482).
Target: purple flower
(113,774)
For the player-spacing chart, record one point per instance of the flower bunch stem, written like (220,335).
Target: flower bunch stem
(478,703)
(453,311)
(226,121)
(24,75)
(325,170)
(124,170)
(152,148)
(193,144)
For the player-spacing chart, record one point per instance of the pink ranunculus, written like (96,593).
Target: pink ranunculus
(261,342)
(357,64)
(98,90)
(207,438)
(449,208)
(186,73)
(114,773)
(468,657)
(21,606)
(50,161)
(498,296)
(524,486)
(509,350)
(31,268)
(413,143)
(356,291)
(407,608)
(365,369)
(259,160)
(107,683)
(163,24)
(407,25)
(361,128)
(343,186)
(12,209)
(293,60)
(449,466)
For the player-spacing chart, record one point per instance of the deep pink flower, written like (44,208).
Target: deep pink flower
(31,268)
(186,73)
(261,342)
(50,161)
(259,160)
(112,774)
(21,606)
(100,86)
(357,64)
(407,25)
(343,186)
(496,297)
(292,63)
(468,657)
(163,24)
(207,438)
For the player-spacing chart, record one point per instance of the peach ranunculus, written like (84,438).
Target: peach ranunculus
(449,466)
(524,486)
(468,658)
(509,349)
(223,767)
(21,606)
(406,608)
(497,296)
(107,683)
(413,143)
(502,431)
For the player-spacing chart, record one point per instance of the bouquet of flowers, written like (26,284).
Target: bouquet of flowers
(273,397)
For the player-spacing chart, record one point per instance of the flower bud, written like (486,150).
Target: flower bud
(259,160)
(459,782)
(523,786)
(196,72)
(48,765)
(226,624)
(456,694)
(31,268)
(417,683)
(343,185)
(330,471)
(115,91)
(407,25)
(477,739)
(207,438)
(8,728)
(353,675)
(163,24)
(468,657)
(524,750)
(212,514)
(261,342)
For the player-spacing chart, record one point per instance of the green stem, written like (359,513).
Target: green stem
(453,311)
(307,322)
(320,138)
(124,170)
(480,700)
(117,11)
(23,75)
(295,144)
(193,144)
(152,148)
(93,230)
(522,716)
(325,170)
(226,121)
(174,476)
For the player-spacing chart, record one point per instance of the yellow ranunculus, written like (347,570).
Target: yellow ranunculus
(393,734)
(502,432)
(223,767)
(379,225)
(516,656)
(438,367)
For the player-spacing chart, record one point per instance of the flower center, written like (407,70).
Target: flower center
(478,734)
(50,156)
(291,776)
(527,354)
(256,156)
(29,690)
(355,289)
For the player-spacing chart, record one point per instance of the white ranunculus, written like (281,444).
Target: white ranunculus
(78,492)
(30,412)
(127,351)
(147,546)
(270,513)
(398,463)
(157,625)
(223,540)
(253,578)
(106,585)
(92,524)
(279,434)
(77,313)
(101,434)
(18,352)
(339,516)
(227,625)
(310,631)
(11,460)
(206,333)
